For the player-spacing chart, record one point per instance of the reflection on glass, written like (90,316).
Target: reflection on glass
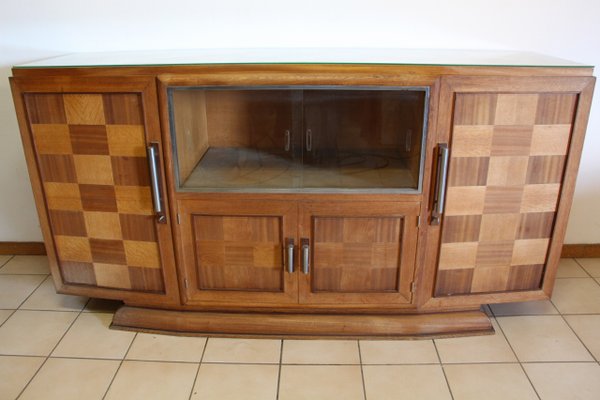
(274,139)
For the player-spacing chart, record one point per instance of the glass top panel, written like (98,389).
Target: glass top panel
(306,56)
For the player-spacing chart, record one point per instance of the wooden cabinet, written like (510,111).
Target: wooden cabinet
(304,199)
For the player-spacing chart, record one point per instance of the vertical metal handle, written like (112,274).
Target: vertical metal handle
(290,255)
(308,140)
(288,140)
(304,243)
(152,152)
(442,178)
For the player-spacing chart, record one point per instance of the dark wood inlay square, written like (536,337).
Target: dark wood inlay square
(89,139)
(108,251)
(98,198)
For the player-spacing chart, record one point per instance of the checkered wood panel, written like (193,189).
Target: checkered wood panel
(356,254)
(507,158)
(92,161)
(239,252)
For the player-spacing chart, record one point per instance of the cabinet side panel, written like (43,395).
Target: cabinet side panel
(90,151)
(508,153)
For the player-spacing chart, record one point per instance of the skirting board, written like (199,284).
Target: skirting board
(37,248)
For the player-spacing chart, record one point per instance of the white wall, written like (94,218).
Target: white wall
(33,29)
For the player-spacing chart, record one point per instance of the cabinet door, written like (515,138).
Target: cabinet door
(358,252)
(514,148)
(236,252)
(85,141)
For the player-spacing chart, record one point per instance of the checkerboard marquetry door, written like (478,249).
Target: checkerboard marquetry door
(89,145)
(509,143)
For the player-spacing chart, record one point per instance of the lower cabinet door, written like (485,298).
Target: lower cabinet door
(236,252)
(357,252)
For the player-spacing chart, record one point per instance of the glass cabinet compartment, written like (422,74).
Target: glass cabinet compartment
(292,139)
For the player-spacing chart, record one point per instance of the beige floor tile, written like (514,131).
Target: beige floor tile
(3,260)
(476,349)
(102,306)
(26,265)
(15,373)
(320,352)
(398,352)
(568,268)
(543,338)
(316,382)
(34,333)
(591,265)
(166,348)
(405,382)
(540,307)
(587,327)
(46,298)
(562,381)
(577,296)
(66,379)
(489,381)
(242,350)
(146,380)
(90,337)
(4,314)
(236,381)
(14,289)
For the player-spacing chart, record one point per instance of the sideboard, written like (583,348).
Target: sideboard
(382,194)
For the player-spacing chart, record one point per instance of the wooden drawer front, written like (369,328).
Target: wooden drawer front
(91,156)
(239,252)
(507,161)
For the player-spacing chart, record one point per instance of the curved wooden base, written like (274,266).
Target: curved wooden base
(302,325)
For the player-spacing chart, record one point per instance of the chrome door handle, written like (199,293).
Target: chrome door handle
(308,140)
(442,179)
(305,244)
(288,140)
(152,152)
(290,255)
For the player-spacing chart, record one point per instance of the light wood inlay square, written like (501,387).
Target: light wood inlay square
(458,255)
(267,255)
(516,109)
(142,254)
(103,225)
(71,248)
(52,138)
(530,251)
(499,227)
(84,109)
(489,279)
(540,198)
(112,275)
(507,171)
(63,196)
(549,140)
(472,141)
(126,140)
(465,200)
(94,170)
(134,200)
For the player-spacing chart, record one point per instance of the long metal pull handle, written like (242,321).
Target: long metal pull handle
(288,140)
(304,243)
(442,178)
(152,152)
(290,255)
(308,140)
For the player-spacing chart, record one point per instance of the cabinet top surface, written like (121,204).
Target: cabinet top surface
(381,56)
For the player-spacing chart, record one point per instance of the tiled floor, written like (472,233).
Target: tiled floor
(59,347)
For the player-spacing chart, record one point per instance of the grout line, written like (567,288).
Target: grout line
(443,369)
(577,336)
(582,267)
(10,315)
(120,364)
(198,368)
(515,354)
(32,292)
(279,370)
(51,351)
(362,372)
(7,261)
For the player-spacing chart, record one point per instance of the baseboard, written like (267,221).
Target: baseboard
(22,248)
(581,250)
(37,248)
